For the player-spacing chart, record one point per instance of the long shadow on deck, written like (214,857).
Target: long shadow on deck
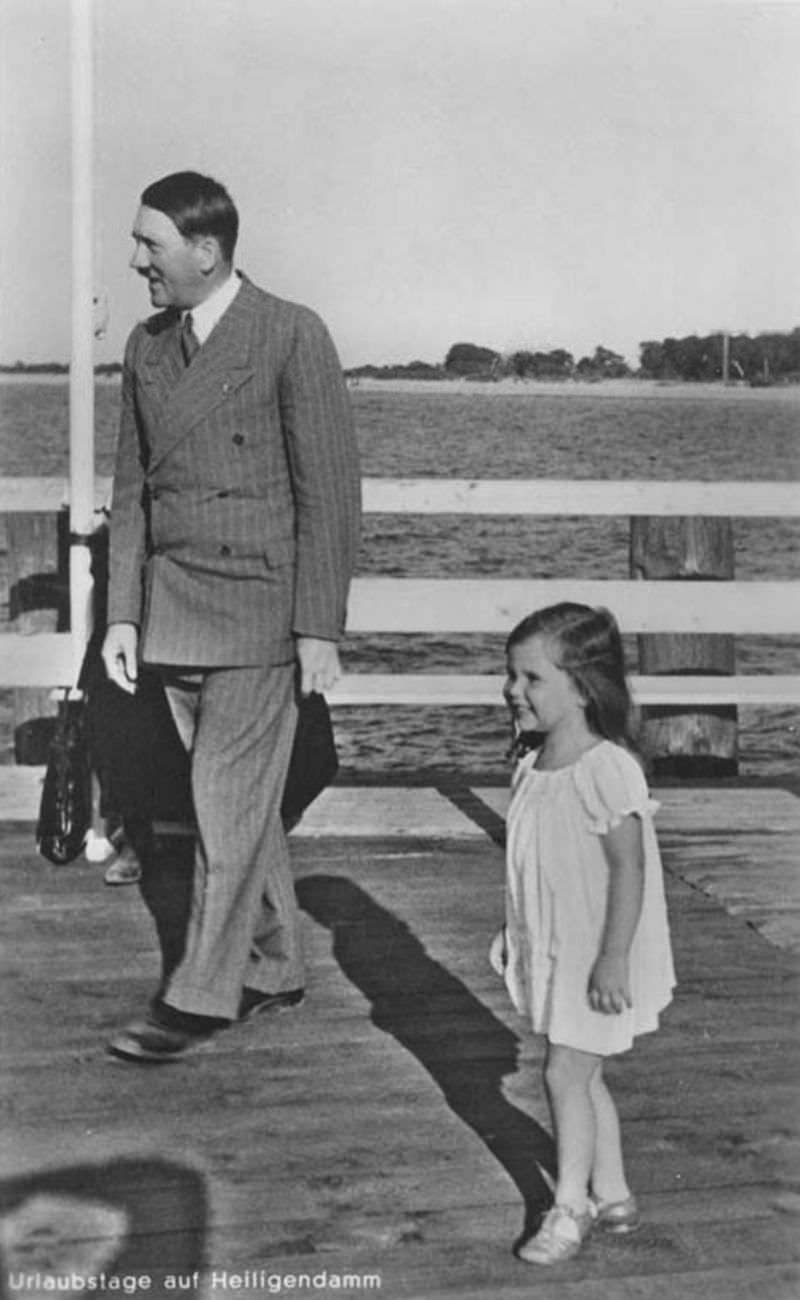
(464,1048)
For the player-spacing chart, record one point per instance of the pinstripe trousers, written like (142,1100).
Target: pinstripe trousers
(237,725)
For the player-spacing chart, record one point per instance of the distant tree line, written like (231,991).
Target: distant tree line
(471,361)
(411,370)
(56,368)
(35,368)
(560,364)
(764,359)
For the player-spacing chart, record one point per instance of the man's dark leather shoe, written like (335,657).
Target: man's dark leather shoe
(254,1002)
(165,1035)
(147,1040)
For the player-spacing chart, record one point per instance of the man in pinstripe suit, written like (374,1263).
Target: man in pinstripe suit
(234,528)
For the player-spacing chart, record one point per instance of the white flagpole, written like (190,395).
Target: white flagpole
(81,378)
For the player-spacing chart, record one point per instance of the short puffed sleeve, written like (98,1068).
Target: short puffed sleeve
(611,785)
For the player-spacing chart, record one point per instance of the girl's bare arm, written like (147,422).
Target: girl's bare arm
(609,984)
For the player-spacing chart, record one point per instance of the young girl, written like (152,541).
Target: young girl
(585,951)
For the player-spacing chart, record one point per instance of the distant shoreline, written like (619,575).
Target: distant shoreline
(644,388)
(601,388)
(47,377)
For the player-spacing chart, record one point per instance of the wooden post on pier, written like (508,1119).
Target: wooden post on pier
(686,740)
(38,601)
(81,368)
(726,357)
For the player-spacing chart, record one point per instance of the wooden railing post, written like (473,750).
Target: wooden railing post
(686,740)
(38,601)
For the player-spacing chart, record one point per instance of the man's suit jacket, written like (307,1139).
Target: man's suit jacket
(236,502)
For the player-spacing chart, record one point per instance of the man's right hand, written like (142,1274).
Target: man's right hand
(119,655)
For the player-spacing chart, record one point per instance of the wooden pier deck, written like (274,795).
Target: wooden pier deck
(388,1138)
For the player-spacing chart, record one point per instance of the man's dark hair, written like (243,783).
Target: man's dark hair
(198,206)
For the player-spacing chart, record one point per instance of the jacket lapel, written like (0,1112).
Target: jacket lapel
(182,395)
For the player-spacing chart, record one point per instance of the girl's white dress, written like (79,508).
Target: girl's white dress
(556,890)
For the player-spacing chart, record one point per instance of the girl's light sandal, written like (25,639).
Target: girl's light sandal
(559,1238)
(617,1216)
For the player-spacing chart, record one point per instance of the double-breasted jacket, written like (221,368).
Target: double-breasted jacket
(235,510)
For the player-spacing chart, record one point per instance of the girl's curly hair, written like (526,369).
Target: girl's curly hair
(586,643)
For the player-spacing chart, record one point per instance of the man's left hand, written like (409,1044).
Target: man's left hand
(319,664)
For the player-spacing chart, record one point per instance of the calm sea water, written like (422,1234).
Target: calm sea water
(484,434)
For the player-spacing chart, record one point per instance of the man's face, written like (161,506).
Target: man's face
(172,265)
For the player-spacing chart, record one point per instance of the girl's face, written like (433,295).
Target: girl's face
(541,696)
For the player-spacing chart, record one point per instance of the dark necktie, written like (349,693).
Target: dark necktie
(189,340)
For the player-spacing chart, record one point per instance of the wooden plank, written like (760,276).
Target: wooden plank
(408,1059)
(494,605)
(455,1219)
(593,497)
(46,660)
(537,497)
(401,605)
(40,660)
(770,1281)
(485,689)
(23,494)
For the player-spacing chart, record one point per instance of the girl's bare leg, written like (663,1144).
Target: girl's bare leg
(607,1176)
(568,1077)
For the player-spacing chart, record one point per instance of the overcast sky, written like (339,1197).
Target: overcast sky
(516,173)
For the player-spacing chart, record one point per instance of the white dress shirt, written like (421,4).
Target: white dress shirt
(206,314)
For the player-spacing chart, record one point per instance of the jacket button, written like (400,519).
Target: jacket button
(224,550)
(238,438)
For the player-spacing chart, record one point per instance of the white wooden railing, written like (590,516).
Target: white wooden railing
(452,605)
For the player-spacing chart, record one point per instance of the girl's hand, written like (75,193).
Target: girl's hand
(498,952)
(609,987)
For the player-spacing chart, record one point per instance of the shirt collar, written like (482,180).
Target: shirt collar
(206,314)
